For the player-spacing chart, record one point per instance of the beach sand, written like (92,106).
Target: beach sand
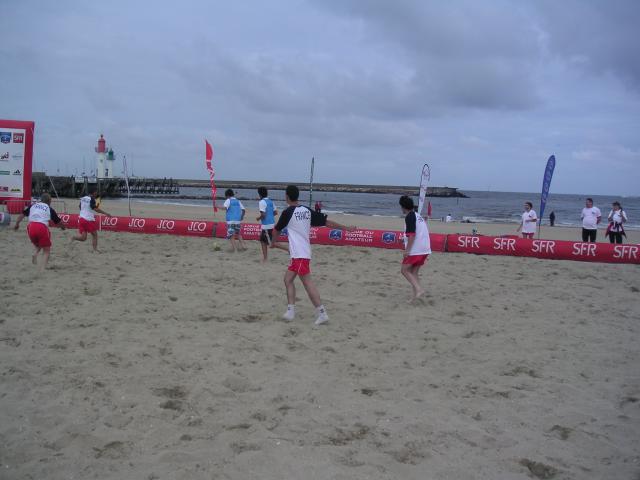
(165,358)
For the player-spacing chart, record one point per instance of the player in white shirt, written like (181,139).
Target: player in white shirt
(298,220)
(529,221)
(87,222)
(591,217)
(40,214)
(417,246)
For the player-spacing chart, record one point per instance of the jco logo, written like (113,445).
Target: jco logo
(197,227)
(137,223)
(166,225)
(64,218)
(109,221)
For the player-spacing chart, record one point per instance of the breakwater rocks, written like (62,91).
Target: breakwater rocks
(170,188)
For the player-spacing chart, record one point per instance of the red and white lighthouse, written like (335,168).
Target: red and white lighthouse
(101,159)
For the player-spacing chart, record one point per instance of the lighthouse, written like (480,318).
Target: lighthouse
(101,160)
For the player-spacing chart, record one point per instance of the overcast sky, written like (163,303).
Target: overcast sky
(484,91)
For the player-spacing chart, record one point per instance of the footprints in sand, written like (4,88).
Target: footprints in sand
(175,397)
(538,469)
(114,450)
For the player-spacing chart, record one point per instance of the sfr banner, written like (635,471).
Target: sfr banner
(546,249)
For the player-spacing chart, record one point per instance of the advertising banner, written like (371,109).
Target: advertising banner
(16,154)
(477,244)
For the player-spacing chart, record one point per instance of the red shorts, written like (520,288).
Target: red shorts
(300,266)
(417,260)
(87,226)
(39,234)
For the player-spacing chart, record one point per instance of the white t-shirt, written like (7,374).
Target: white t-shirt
(414,225)
(40,213)
(529,227)
(298,220)
(448,218)
(87,204)
(590,218)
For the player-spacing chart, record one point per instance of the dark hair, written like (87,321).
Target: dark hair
(228,192)
(589,199)
(406,202)
(617,204)
(262,191)
(93,190)
(293,193)
(530,204)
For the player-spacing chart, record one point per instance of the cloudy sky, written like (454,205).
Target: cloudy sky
(482,91)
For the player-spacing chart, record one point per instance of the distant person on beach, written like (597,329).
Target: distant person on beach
(529,220)
(552,219)
(417,246)
(591,217)
(318,206)
(448,218)
(87,220)
(268,212)
(40,214)
(235,215)
(298,220)
(617,217)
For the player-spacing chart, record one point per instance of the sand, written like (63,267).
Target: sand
(165,358)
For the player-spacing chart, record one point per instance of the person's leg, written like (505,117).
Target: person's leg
(406,271)
(81,237)
(45,257)
(265,251)
(585,235)
(34,257)
(612,237)
(415,271)
(311,289)
(94,241)
(289,278)
(592,235)
(618,237)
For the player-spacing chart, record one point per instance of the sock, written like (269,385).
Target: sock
(321,309)
(291,307)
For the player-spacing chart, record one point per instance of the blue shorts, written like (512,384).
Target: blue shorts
(233,229)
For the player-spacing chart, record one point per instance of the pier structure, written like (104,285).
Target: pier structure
(170,188)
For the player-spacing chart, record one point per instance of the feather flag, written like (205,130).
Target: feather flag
(424,181)
(208,159)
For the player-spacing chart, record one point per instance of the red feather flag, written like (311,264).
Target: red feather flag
(208,159)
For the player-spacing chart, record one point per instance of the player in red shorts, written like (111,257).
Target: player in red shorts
(87,222)
(417,245)
(40,214)
(298,219)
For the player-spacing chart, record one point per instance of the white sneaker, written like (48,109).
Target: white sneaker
(322,318)
(289,315)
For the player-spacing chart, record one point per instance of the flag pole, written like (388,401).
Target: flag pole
(311,182)
(126,181)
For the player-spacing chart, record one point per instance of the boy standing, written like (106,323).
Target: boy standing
(417,245)
(87,221)
(235,215)
(298,219)
(268,212)
(40,214)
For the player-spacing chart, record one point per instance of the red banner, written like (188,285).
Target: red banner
(548,249)
(481,245)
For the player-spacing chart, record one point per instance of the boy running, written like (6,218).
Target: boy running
(235,215)
(417,245)
(40,214)
(268,212)
(298,219)
(87,221)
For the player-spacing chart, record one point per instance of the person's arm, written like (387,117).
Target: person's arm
(25,213)
(598,218)
(410,233)
(283,221)
(56,219)
(610,216)
(623,217)
(520,225)
(319,219)
(534,219)
(262,208)
(97,209)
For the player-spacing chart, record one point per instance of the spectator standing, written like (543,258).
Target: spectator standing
(591,217)
(617,217)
